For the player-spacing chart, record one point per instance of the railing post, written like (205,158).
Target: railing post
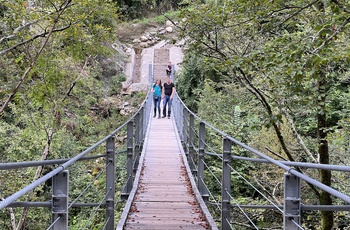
(190,146)
(60,201)
(291,212)
(201,186)
(130,148)
(185,127)
(150,73)
(137,140)
(143,123)
(226,185)
(110,182)
(172,74)
(129,162)
(178,113)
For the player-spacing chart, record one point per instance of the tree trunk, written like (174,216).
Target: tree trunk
(37,175)
(325,199)
(26,73)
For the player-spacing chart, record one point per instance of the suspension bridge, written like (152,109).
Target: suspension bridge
(173,173)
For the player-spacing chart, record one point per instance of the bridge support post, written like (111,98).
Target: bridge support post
(60,201)
(110,182)
(137,140)
(185,129)
(143,126)
(129,162)
(190,146)
(226,185)
(200,175)
(130,143)
(292,202)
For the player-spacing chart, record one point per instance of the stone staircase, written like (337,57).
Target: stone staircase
(160,62)
(137,70)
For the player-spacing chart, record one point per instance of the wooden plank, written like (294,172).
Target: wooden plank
(164,199)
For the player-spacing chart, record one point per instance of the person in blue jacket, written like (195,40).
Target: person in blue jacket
(157,96)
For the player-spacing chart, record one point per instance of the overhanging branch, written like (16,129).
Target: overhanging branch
(32,39)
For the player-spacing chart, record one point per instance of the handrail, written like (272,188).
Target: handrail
(4,203)
(185,120)
(340,168)
(181,114)
(27,164)
(280,164)
(294,172)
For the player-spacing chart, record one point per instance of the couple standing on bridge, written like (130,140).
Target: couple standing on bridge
(165,92)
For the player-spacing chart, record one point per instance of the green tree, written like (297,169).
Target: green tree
(50,52)
(289,55)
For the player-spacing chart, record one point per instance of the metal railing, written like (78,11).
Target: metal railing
(122,159)
(217,172)
(220,169)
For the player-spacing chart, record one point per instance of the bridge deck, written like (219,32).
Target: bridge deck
(164,199)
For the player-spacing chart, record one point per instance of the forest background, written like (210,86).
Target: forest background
(273,74)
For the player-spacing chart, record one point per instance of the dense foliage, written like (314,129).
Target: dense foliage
(134,9)
(273,74)
(285,65)
(59,93)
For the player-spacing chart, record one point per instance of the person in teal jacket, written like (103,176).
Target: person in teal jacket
(157,96)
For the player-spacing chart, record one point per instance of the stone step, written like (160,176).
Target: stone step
(159,72)
(161,56)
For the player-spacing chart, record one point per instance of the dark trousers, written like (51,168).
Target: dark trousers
(167,100)
(156,103)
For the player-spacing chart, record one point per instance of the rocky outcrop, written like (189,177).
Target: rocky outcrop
(137,69)
(153,36)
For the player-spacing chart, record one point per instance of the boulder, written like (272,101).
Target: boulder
(144,38)
(144,44)
(168,23)
(169,29)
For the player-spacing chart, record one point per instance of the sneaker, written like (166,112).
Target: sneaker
(168,117)
(163,116)
(159,117)
(154,116)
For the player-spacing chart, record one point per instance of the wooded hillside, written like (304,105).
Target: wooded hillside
(273,74)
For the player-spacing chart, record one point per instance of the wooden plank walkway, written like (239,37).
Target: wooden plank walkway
(164,199)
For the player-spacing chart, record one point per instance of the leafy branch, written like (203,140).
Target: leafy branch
(33,38)
(26,73)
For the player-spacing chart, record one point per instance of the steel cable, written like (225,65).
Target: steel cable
(240,208)
(229,223)
(96,209)
(212,196)
(88,186)
(212,173)
(53,223)
(255,188)
(300,227)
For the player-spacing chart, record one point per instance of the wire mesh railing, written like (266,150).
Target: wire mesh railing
(229,177)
